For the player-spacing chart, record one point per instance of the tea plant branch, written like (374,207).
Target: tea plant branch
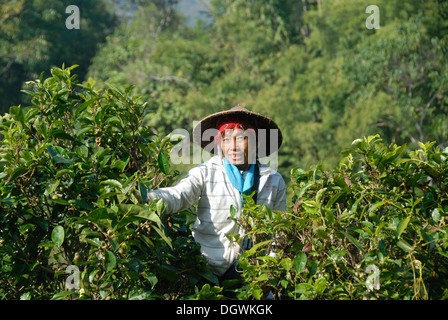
(389,202)
(418,283)
(27,197)
(28,262)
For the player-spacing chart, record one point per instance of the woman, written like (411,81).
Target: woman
(239,137)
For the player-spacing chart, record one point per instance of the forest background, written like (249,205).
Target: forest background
(313,66)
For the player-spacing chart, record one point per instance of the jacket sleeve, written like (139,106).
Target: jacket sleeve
(184,194)
(280,201)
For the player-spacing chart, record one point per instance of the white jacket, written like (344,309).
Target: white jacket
(208,183)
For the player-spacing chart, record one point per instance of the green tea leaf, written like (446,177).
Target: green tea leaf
(112,182)
(404,245)
(61,295)
(160,206)
(162,235)
(402,226)
(254,249)
(286,263)
(17,172)
(57,235)
(300,262)
(162,161)
(435,215)
(85,104)
(149,215)
(353,240)
(210,276)
(110,261)
(103,217)
(320,194)
(144,188)
(376,205)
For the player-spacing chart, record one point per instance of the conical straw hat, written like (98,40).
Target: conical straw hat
(269,139)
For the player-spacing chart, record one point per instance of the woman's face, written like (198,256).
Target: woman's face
(237,146)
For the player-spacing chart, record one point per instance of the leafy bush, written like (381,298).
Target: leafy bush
(71,165)
(374,228)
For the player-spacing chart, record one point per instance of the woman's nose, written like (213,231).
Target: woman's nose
(234,144)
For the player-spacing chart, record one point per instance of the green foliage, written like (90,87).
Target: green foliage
(72,164)
(382,213)
(35,38)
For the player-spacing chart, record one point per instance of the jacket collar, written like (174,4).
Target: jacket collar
(264,169)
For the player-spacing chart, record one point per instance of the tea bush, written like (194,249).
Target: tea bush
(374,228)
(71,166)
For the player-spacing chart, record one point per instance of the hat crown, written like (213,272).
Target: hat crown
(238,108)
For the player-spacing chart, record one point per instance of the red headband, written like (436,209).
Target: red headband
(232,126)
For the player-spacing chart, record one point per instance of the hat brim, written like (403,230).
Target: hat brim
(269,135)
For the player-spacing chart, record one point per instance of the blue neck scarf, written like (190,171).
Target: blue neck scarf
(244,186)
